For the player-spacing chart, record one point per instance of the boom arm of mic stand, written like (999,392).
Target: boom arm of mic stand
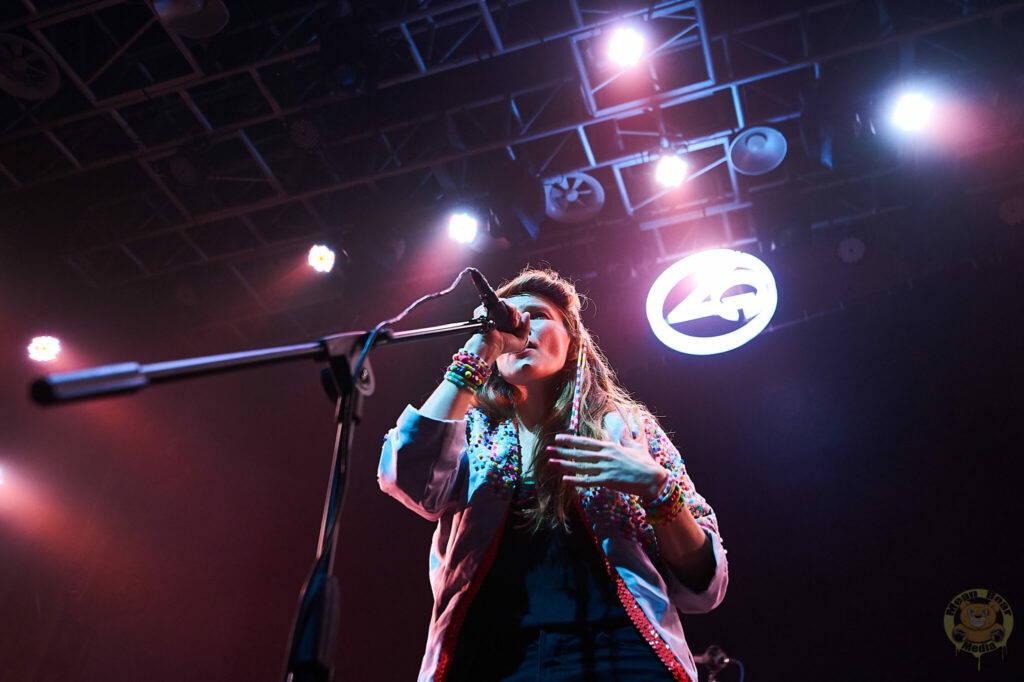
(129,377)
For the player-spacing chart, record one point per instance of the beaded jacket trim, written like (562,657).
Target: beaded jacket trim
(494,453)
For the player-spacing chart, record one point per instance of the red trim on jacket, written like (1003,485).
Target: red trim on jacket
(636,614)
(451,633)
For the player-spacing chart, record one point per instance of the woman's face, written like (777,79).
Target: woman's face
(544,355)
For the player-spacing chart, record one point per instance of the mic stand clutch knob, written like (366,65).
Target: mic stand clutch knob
(714,659)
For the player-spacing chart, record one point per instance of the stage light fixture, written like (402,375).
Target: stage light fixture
(44,348)
(462,227)
(321,258)
(349,50)
(671,171)
(912,112)
(626,47)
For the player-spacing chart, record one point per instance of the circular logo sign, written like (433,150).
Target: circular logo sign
(733,289)
(978,622)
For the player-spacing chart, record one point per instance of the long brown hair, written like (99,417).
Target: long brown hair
(599,388)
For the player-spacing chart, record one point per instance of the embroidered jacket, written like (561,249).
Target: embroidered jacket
(461,474)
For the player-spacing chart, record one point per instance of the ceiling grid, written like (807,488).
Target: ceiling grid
(264,134)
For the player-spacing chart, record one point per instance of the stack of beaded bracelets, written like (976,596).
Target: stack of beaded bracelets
(468,370)
(668,504)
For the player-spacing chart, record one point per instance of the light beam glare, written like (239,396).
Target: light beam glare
(671,171)
(321,258)
(913,112)
(462,227)
(44,348)
(626,47)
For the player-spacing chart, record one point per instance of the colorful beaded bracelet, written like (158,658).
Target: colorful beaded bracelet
(460,382)
(668,504)
(468,370)
(466,373)
(474,360)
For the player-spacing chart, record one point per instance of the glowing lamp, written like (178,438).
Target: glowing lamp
(626,47)
(912,112)
(321,258)
(44,348)
(671,171)
(462,227)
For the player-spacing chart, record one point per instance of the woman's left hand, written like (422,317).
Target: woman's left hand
(626,467)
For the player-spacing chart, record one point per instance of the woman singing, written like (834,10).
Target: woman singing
(569,536)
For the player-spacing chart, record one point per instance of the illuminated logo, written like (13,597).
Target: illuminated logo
(978,622)
(720,300)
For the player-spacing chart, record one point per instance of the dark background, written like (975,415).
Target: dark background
(861,454)
(863,466)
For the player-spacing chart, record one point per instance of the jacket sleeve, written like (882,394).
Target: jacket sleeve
(684,598)
(420,462)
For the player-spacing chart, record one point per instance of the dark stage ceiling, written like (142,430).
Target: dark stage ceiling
(162,176)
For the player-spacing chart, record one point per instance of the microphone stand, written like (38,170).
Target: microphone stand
(315,627)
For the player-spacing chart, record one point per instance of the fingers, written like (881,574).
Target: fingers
(513,313)
(506,342)
(577,455)
(523,329)
(583,481)
(579,442)
(579,466)
(576,473)
(520,337)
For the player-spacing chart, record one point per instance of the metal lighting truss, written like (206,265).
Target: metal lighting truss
(196,157)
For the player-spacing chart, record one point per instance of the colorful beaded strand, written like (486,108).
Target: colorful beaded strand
(574,421)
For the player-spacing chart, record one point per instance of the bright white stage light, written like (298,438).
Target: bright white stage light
(626,47)
(912,112)
(44,348)
(321,258)
(462,227)
(671,171)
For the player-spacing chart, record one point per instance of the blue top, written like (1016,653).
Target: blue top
(553,577)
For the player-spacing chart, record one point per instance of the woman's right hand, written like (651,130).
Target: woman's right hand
(495,343)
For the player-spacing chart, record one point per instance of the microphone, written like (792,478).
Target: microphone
(496,311)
